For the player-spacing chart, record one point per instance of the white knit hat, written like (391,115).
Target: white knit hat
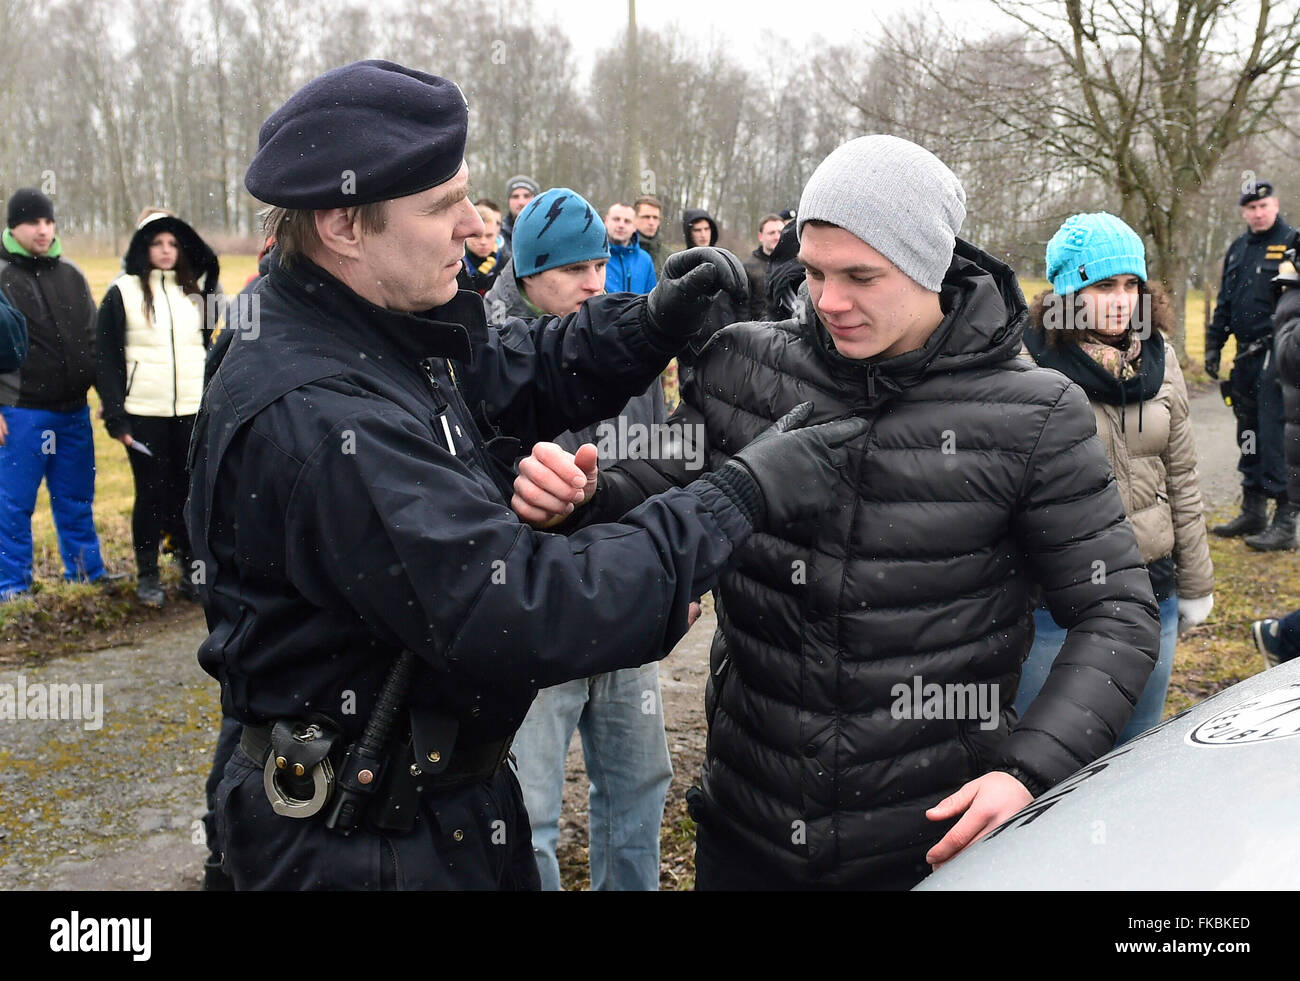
(897,197)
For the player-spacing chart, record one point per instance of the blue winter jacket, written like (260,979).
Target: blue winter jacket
(630,268)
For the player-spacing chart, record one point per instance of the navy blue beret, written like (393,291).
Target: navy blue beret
(369,131)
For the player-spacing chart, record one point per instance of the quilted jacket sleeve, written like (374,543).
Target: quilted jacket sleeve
(1071,523)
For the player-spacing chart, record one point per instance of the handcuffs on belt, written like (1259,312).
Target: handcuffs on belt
(301,779)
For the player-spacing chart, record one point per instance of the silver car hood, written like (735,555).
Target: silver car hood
(1209,799)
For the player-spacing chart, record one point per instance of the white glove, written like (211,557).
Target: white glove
(1194,612)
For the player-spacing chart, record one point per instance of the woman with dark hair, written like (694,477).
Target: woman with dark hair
(1103,325)
(155,326)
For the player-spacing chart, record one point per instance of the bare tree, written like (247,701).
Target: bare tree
(1149,95)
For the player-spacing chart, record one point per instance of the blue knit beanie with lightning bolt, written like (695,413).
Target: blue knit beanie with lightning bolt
(557,228)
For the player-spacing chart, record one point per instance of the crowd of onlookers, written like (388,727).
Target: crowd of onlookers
(143,348)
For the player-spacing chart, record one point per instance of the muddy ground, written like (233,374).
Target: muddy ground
(117,807)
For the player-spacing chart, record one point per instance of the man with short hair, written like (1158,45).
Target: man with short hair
(46,431)
(863,675)
(559,263)
(649,212)
(759,264)
(380,620)
(520,189)
(630,268)
(1244,310)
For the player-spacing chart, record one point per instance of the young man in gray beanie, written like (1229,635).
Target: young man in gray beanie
(860,704)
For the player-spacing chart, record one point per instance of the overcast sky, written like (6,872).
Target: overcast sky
(748,28)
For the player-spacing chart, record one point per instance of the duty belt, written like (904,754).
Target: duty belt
(307,771)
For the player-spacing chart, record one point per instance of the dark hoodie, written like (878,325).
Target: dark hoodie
(689,217)
(980,483)
(111,379)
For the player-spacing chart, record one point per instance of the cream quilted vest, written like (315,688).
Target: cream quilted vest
(164,357)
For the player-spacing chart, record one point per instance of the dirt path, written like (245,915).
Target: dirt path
(116,807)
(1216,445)
(111,807)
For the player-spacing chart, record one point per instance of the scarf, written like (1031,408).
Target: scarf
(1115,376)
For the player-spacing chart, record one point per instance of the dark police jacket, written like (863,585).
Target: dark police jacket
(980,484)
(1286,349)
(345,506)
(1245,305)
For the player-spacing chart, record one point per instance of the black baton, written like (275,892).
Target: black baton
(362,768)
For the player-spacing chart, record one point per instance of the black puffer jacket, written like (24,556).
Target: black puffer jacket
(981,480)
(1286,348)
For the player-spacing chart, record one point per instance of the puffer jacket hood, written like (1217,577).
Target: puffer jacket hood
(202,260)
(985,316)
(689,217)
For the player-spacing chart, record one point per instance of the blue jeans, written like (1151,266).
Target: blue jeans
(1048,639)
(56,447)
(620,718)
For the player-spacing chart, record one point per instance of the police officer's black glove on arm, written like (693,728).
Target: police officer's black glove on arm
(787,473)
(678,306)
(1212,362)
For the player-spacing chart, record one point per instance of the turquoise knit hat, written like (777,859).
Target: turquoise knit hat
(1091,247)
(556,229)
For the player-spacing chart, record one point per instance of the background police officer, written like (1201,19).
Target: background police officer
(1244,309)
(380,619)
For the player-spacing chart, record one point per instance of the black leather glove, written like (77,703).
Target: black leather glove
(787,473)
(691,281)
(1212,362)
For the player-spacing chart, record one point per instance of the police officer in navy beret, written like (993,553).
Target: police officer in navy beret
(380,619)
(1245,310)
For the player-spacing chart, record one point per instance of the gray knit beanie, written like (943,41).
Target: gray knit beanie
(897,197)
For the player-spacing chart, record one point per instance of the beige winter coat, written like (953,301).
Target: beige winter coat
(1155,468)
